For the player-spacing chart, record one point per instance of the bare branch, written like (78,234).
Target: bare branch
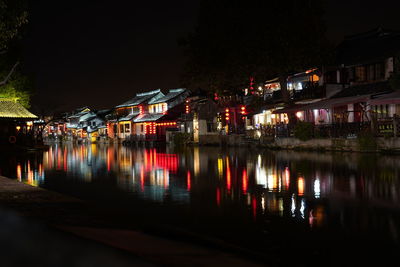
(5,81)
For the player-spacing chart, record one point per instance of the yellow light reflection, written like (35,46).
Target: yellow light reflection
(220,167)
(196,161)
(19,172)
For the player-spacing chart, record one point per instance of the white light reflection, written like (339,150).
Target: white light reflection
(263,203)
(302,208)
(317,188)
(293,208)
(261,176)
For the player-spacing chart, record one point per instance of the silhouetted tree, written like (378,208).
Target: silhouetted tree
(13,15)
(238,39)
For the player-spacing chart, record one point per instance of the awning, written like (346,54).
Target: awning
(261,109)
(324,104)
(335,102)
(148,117)
(392,98)
(290,109)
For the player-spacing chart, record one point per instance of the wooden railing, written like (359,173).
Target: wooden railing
(388,127)
(341,130)
(382,128)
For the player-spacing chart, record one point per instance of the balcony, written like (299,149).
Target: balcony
(312,92)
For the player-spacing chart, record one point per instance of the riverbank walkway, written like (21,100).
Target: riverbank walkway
(45,228)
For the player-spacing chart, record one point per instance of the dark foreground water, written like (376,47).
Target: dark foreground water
(292,208)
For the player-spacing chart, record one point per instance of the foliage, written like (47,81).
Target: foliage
(304,130)
(182,138)
(235,40)
(17,89)
(13,16)
(367,141)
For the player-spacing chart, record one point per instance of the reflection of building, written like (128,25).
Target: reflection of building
(31,173)
(308,188)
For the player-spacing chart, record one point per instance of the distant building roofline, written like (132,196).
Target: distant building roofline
(376,31)
(149,93)
(177,90)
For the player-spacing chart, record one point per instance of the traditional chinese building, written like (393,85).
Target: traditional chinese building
(16,124)
(349,91)
(161,114)
(365,63)
(121,125)
(200,117)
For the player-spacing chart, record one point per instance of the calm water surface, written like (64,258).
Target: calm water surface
(301,208)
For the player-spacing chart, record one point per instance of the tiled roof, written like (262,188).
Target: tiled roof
(140,98)
(13,110)
(392,98)
(79,114)
(171,94)
(148,117)
(364,89)
(87,117)
(129,117)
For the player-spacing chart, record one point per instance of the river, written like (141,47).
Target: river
(294,207)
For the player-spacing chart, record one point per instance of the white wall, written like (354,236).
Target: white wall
(388,67)
(350,109)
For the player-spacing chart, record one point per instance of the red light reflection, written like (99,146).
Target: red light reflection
(218,197)
(109,154)
(254,206)
(228,175)
(244,182)
(152,160)
(287,178)
(65,160)
(142,178)
(189,184)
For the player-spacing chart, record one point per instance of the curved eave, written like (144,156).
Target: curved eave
(17,118)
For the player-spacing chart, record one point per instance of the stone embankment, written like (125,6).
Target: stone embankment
(362,144)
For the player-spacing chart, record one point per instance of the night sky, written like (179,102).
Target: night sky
(100,53)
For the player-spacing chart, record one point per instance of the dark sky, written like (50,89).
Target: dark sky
(100,53)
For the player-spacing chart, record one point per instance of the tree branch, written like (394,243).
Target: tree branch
(5,81)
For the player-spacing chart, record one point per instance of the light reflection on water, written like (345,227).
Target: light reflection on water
(354,192)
